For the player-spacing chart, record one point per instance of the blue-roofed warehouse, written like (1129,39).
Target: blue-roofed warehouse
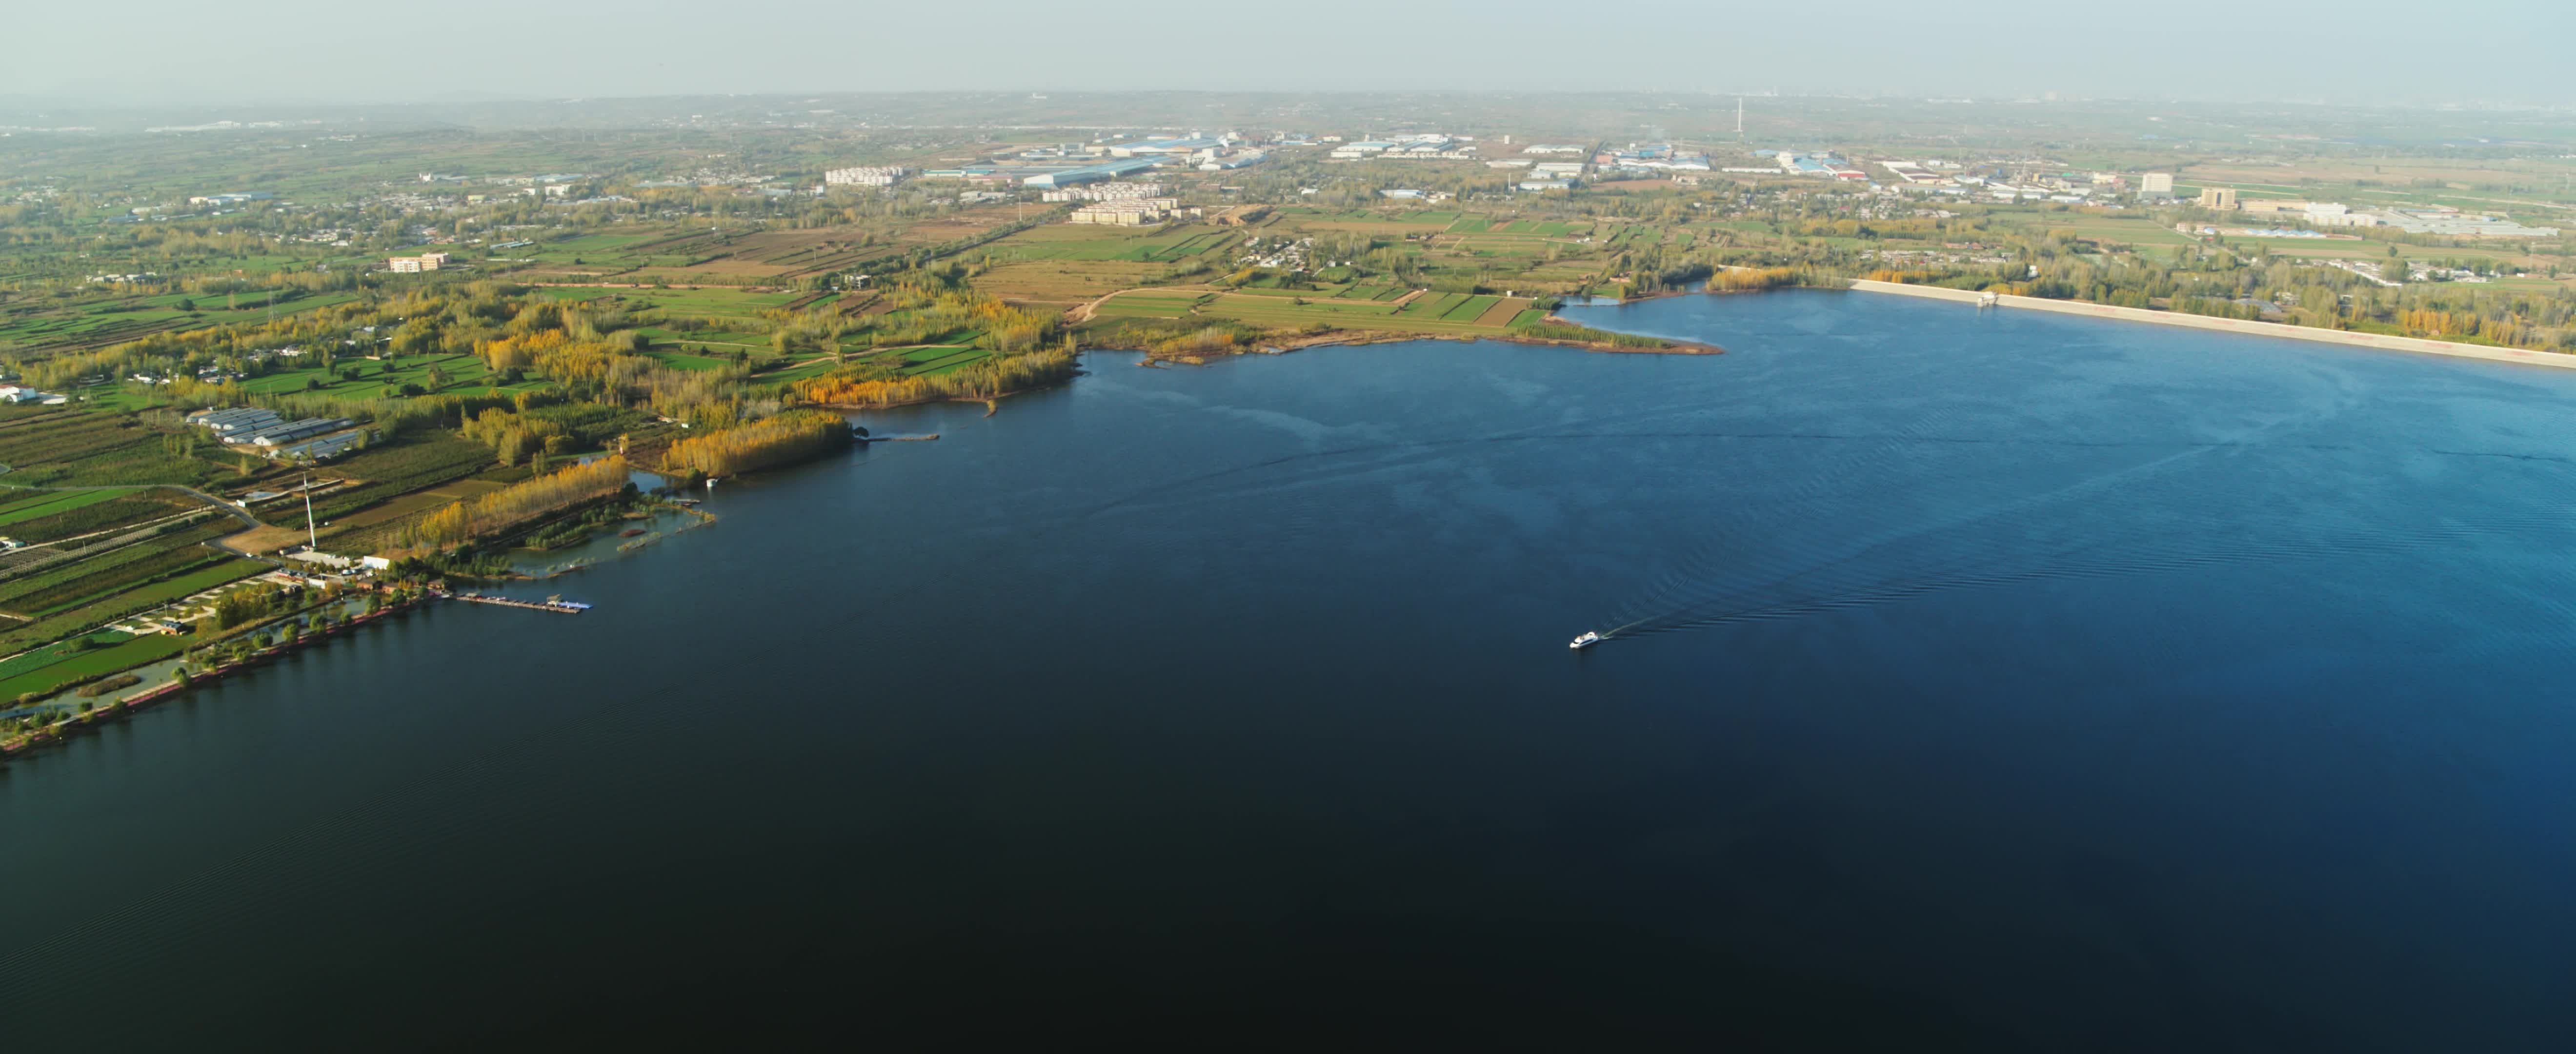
(1100,173)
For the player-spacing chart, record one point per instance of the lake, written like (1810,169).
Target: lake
(1976,680)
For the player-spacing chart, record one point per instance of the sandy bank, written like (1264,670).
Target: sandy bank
(2417,345)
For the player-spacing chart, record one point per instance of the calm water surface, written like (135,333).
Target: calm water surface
(1977,681)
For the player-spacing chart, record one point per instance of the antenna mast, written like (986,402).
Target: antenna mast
(313,536)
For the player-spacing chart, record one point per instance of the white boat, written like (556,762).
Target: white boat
(1587,640)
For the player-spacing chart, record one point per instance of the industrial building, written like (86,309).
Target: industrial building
(229,424)
(1099,173)
(254,426)
(416,264)
(1112,191)
(1654,157)
(2454,223)
(1165,147)
(323,449)
(1130,212)
(291,431)
(2432,220)
(1425,147)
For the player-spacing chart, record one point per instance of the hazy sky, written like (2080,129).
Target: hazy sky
(321,50)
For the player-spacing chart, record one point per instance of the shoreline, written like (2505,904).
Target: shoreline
(58,732)
(1356,339)
(1337,338)
(2384,342)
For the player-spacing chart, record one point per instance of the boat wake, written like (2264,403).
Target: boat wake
(2107,560)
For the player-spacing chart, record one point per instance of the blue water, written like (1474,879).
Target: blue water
(1984,681)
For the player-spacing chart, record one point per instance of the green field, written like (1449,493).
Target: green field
(384,379)
(921,362)
(1094,243)
(813,367)
(1431,313)
(696,303)
(51,503)
(53,653)
(127,603)
(75,448)
(78,665)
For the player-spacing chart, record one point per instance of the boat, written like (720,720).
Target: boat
(1587,640)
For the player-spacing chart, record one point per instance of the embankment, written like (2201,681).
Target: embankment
(2417,345)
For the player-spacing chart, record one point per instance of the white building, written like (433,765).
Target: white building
(2156,183)
(416,264)
(1224,162)
(864,176)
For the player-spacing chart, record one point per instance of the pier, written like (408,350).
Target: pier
(556,605)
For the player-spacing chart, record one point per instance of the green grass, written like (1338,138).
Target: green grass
(465,373)
(683,361)
(172,564)
(64,502)
(92,448)
(814,367)
(1471,308)
(131,653)
(198,581)
(126,605)
(32,498)
(1360,315)
(121,509)
(413,461)
(924,362)
(1432,305)
(1123,244)
(705,303)
(50,654)
(1148,305)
